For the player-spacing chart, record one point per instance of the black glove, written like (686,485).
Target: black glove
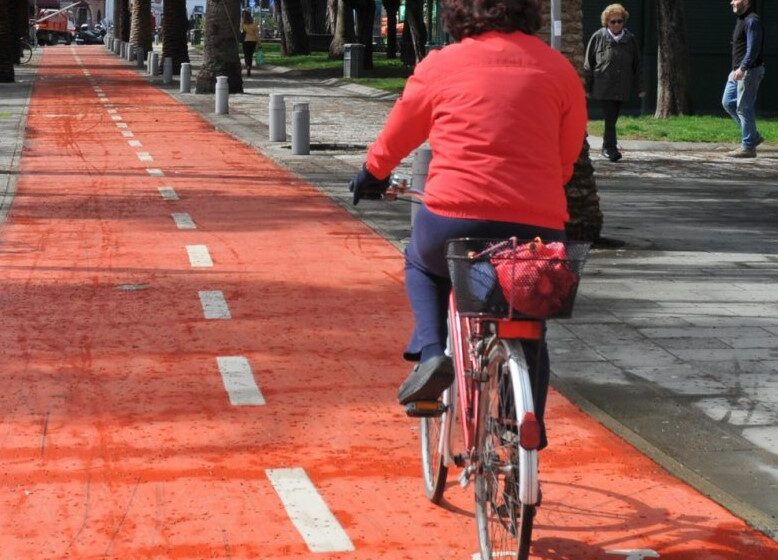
(365,185)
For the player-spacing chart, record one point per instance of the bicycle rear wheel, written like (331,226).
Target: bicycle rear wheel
(433,432)
(504,520)
(26,54)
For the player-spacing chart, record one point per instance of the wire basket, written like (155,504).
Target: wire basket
(515,279)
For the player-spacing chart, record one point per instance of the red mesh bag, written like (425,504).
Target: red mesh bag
(536,278)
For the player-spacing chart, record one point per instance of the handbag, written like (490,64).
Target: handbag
(535,278)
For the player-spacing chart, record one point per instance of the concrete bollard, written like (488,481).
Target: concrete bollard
(353,60)
(419,169)
(277,118)
(186,77)
(301,130)
(154,66)
(119,47)
(222,98)
(130,52)
(148,62)
(140,58)
(167,70)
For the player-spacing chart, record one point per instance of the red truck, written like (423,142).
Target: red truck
(53,26)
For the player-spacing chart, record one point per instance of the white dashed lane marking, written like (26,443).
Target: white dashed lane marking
(214,304)
(155,172)
(127,133)
(121,125)
(134,143)
(199,257)
(144,156)
(308,511)
(183,220)
(168,193)
(239,381)
(116,117)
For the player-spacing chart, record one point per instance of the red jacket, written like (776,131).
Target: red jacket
(505,116)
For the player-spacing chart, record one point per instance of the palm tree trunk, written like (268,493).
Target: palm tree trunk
(344,30)
(391,7)
(294,38)
(583,201)
(6,43)
(140,27)
(174,43)
(221,56)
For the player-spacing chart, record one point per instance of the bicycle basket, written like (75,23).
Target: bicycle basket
(514,279)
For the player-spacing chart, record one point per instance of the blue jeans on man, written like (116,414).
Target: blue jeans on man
(739,101)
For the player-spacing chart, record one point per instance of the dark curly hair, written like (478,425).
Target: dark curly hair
(467,18)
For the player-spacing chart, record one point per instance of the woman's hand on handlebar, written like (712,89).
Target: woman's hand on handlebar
(365,186)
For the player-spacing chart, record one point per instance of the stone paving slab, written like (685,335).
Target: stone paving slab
(666,326)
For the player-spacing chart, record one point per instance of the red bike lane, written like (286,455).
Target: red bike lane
(200,356)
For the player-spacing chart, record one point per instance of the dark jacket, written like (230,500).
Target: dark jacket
(748,41)
(612,67)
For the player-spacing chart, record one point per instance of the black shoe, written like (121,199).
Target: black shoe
(613,156)
(427,380)
(758,141)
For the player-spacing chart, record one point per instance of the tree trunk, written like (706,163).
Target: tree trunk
(140,27)
(315,15)
(672,60)
(365,10)
(391,7)
(21,19)
(583,202)
(414,23)
(121,20)
(6,43)
(174,44)
(332,15)
(221,56)
(294,39)
(344,30)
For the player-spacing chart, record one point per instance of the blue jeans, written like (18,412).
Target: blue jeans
(739,100)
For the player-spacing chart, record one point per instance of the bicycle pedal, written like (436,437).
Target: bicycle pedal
(425,409)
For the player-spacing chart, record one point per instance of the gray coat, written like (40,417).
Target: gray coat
(612,67)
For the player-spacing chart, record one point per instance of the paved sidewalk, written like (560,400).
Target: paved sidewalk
(674,343)
(14,101)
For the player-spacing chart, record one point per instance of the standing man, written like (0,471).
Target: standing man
(747,72)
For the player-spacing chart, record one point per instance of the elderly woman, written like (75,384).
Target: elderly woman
(611,68)
(505,116)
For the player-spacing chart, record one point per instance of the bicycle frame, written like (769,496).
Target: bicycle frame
(465,393)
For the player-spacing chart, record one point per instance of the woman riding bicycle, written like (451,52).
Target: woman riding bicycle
(505,116)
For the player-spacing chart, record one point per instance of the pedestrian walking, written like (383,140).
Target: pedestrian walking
(249,36)
(739,98)
(611,69)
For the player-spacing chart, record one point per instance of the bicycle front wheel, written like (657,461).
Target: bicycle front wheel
(26,54)
(434,430)
(504,519)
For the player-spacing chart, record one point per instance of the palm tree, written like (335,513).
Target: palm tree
(140,27)
(221,56)
(174,44)
(6,42)
(121,19)
(583,202)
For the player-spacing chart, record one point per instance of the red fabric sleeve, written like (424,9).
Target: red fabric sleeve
(407,126)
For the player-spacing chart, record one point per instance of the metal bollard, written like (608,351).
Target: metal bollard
(353,60)
(277,118)
(148,62)
(222,96)
(167,70)
(301,130)
(419,169)
(154,66)
(140,58)
(186,76)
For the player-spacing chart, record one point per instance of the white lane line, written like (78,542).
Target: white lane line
(144,156)
(112,111)
(121,125)
(103,100)
(199,257)
(101,95)
(168,193)
(239,381)
(134,143)
(183,220)
(214,305)
(155,172)
(308,511)
(117,117)
(127,133)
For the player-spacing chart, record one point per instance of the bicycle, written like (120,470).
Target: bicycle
(492,394)
(25,50)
